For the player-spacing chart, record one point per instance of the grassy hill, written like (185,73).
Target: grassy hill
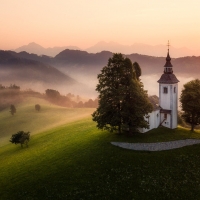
(28,119)
(77,161)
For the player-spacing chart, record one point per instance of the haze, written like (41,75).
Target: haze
(84,23)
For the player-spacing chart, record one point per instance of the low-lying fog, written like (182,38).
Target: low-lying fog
(149,81)
(87,84)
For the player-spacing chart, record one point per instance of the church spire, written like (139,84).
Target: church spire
(168,77)
(168,66)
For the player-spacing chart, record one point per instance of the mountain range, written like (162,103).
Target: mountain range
(78,68)
(144,49)
(30,72)
(83,63)
(39,50)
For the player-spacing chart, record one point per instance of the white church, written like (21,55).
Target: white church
(165,108)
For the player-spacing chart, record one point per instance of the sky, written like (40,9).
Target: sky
(84,23)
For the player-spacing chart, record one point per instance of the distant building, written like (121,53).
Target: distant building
(165,108)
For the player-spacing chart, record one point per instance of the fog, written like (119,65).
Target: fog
(149,81)
(84,86)
(86,83)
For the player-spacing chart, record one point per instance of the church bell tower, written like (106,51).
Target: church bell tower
(168,95)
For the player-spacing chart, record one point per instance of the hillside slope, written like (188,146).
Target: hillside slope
(91,63)
(28,119)
(77,161)
(28,71)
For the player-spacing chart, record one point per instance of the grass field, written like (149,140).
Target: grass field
(77,161)
(28,119)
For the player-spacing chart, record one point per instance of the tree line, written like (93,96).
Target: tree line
(12,95)
(69,100)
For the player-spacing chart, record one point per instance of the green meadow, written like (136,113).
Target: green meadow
(28,119)
(71,159)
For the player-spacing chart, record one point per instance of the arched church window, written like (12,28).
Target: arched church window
(174,89)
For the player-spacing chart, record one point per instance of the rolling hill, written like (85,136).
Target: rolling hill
(28,119)
(75,60)
(91,63)
(83,67)
(29,72)
(77,161)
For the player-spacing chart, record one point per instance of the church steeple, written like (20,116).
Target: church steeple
(168,76)
(168,66)
(168,95)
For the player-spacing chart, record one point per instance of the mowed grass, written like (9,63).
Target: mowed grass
(77,161)
(28,119)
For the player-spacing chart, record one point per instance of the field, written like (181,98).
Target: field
(74,160)
(28,119)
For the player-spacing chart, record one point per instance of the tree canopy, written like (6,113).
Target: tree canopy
(54,94)
(123,102)
(190,102)
(20,137)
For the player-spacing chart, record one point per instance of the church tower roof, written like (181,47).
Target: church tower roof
(168,76)
(168,66)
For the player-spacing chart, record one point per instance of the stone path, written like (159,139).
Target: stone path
(158,146)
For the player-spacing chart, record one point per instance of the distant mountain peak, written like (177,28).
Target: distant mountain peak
(141,48)
(35,48)
(33,44)
(112,46)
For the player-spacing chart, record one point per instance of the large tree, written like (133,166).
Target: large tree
(190,102)
(123,102)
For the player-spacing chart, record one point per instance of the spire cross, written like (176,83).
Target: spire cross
(168,45)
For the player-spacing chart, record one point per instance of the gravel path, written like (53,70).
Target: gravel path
(159,146)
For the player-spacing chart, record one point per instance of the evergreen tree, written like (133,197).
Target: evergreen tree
(190,102)
(122,99)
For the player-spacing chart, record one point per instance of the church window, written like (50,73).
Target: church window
(165,90)
(174,89)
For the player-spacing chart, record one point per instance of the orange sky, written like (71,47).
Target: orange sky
(83,23)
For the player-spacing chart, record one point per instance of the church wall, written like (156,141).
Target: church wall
(166,122)
(174,105)
(154,121)
(164,98)
(169,101)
